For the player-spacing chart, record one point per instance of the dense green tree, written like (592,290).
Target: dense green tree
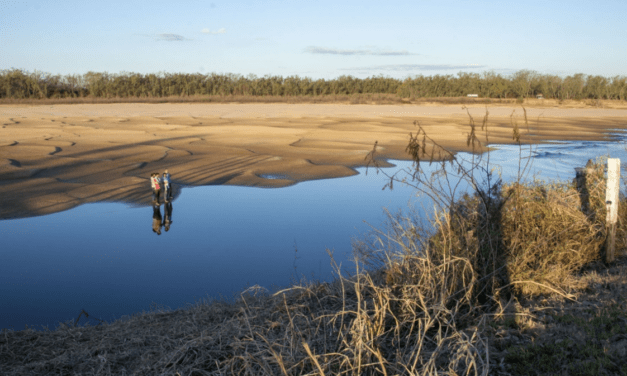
(18,84)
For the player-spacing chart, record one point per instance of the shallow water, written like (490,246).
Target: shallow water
(105,258)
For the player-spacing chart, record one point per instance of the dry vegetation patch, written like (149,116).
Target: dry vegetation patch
(551,335)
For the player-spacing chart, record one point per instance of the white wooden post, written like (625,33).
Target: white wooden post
(611,203)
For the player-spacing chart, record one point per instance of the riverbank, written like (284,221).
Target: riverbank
(363,324)
(57,157)
(343,99)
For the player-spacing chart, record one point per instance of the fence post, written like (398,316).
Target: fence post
(581,177)
(611,203)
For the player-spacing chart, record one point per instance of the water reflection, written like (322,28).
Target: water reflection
(167,220)
(156,218)
(159,222)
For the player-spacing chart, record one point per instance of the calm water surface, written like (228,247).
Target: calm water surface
(105,258)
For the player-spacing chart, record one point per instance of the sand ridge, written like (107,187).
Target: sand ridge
(285,110)
(56,157)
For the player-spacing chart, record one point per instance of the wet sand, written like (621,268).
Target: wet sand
(55,157)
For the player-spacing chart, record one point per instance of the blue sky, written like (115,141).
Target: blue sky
(318,39)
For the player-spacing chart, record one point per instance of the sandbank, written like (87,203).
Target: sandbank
(56,157)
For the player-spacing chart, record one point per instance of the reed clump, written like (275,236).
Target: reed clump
(547,236)
(528,239)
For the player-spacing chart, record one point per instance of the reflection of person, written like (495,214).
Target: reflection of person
(167,215)
(167,193)
(156,218)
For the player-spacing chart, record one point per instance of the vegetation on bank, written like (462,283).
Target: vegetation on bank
(505,279)
(17,84)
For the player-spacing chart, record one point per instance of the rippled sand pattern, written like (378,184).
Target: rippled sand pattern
(56,157)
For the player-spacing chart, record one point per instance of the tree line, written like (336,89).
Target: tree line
(20,84)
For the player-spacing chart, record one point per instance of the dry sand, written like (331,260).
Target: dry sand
(55,157)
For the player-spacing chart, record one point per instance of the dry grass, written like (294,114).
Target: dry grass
(550,335)
(546,234)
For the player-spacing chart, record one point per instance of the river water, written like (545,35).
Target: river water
(104,258)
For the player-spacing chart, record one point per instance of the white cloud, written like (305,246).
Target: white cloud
(219,31)
(411,67)
(337,51)
(171,37)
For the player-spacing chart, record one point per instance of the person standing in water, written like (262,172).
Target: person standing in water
(156,186)
(153,186)
(167,193)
